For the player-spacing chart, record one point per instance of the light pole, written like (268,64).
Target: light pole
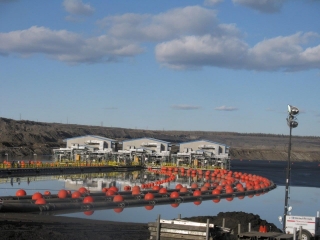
(292,123)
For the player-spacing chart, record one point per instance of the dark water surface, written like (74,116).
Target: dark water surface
(305,174)
(304,193)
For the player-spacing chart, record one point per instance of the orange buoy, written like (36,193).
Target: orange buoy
(135,188)
(197,203)
(21,193)
(216,200)
(163,190)
(62,193)
(40,201)
(178,186)
(149,207)
(197,193)
(229,190)
(88,199)
(194,185)
(105,189)
(204,188)
(216,192)
(110,192)
(118,198)
(149,196)
(36,196)
(183,189)
(47,193)
(156,187)
(174,205)
(174,194)
(82,190)
(76,194)
(118,210)
(113,188)
(88,213)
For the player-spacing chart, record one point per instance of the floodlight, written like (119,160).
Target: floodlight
(280,219)
(292,123)
(293,110)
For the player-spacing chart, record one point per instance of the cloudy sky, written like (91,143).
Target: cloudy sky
(211,65)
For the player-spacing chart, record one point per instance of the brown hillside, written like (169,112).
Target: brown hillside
(22,138)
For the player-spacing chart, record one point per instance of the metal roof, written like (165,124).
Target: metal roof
(206,141)
(152,139)
(93,136)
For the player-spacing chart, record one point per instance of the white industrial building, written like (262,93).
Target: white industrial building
(199,153)
(86,148)
(146,150)
(203,153)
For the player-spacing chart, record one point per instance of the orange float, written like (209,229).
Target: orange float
(21,193)
(88,213)
(118,198)
(113,188)
(76,194)
(174,205)
(110,192)
(40,201)
(83,190)
(149,207)
(36,196)
(118,210)
(148,196)
(62,193)
(174,194)
(47,193)
(163,190)
(88,199)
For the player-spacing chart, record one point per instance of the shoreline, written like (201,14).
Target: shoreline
(32,226)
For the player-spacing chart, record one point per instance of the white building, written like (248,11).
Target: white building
(86,148)
(203,153)
(147,149)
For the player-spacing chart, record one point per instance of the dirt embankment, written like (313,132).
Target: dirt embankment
(23,138)
(31,226)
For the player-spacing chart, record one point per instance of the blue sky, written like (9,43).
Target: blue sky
(211,65)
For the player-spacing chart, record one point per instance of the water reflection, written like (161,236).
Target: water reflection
(269,206)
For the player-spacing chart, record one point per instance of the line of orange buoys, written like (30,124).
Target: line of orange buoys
(217,184)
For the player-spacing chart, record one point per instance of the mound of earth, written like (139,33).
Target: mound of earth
(32,226)
(232,219)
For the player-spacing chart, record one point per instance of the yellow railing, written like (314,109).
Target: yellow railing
(65,164)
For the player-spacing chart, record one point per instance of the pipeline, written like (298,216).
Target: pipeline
(26,204)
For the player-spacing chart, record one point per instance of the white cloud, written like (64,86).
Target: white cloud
(171,24)
(198,51)
(280,53)
(181,43)
(65,46)
(285,53)
(212,2)
(264,6)
(185,107)
(225,108)
(77,7)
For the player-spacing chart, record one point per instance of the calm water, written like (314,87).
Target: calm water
(304,193)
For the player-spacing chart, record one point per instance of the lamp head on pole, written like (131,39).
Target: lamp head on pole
(292,120)
(293,110)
